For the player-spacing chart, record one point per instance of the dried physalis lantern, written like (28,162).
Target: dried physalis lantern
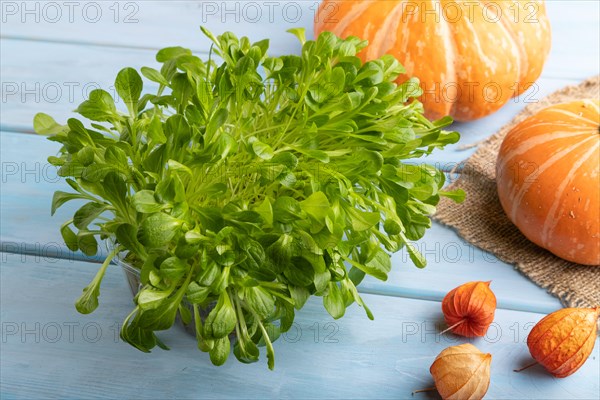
(469,309)
(562,341)
(461,372)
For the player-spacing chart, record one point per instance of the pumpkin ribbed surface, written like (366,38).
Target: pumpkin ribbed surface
(471,57)
(549,182)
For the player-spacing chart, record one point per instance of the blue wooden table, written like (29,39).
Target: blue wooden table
(53,54)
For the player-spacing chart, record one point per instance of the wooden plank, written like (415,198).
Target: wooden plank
(62,81)
(570,56)
(28,228)
(151,24)
(28,182)
(50,351)
(59,84)
(451,261)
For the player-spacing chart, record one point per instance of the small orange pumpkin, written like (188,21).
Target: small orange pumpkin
(470,57)
(548,179)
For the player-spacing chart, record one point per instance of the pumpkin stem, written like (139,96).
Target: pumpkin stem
(525,367)
(452,327)
(422,390)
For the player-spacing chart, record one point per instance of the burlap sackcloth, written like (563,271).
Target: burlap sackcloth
(481,221)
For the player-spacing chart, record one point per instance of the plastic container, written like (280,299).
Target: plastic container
(132,275)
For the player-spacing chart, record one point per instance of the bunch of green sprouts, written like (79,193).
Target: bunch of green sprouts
(252,184)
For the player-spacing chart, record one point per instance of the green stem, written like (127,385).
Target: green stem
(270,350)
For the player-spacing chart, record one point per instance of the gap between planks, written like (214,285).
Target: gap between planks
(88,43)
(394,292)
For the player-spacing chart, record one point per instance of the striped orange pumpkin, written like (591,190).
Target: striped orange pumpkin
(549,181)
(470,57)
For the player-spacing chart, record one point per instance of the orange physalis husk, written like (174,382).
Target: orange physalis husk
(469,309)
(562,341)
(461,372)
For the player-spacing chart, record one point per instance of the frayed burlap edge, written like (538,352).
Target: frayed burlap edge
(481,221)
